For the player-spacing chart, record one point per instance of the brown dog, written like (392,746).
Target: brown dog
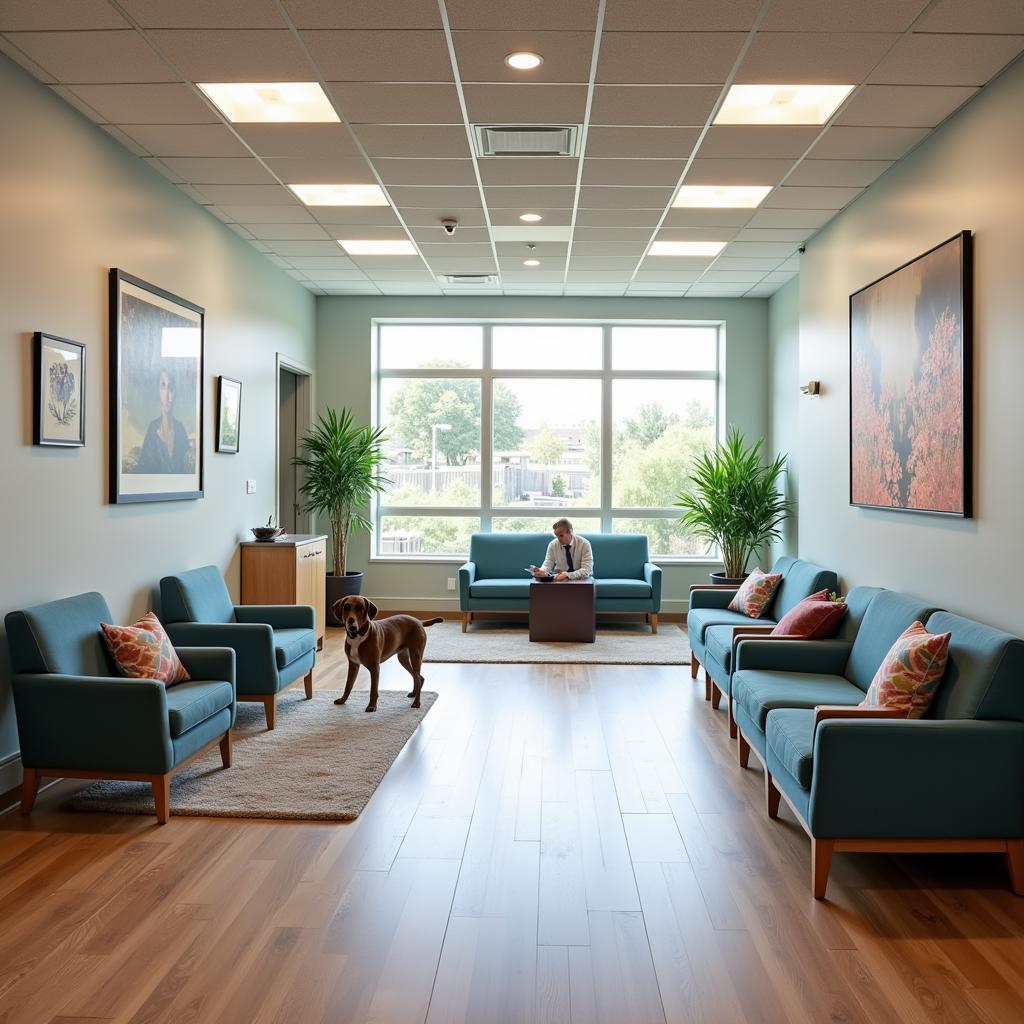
(371,643)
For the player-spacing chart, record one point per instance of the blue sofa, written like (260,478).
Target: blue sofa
(78,718)
(864,780)
(493,579)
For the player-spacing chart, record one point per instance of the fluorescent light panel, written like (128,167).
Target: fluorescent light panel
(263,102)
(686,248)
(340,195)
(722,196)
(377,247)
(781,104)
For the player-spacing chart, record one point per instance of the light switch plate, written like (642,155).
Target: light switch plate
(250,486)
(451,582)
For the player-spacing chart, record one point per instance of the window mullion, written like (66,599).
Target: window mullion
(487,434)
(606,431)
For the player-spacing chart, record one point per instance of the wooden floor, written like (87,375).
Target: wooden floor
(555,844)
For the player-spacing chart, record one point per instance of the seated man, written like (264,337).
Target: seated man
(569,556)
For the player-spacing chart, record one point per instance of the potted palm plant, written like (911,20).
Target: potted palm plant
(734,502)
(341,466)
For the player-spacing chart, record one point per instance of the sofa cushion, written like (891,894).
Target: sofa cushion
(188,704)
(759,691)
(618,556)
(700,620)
(885,618)
(292,644)
(799,578)
(144,651)
(718,645)
(61,636)
(790,734)
(198,595)
(755,593)
(638,589)
(503,588)
(503,556)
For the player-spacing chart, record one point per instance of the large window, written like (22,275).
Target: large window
(507,426)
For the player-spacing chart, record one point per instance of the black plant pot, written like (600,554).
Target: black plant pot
(339,587)
(720,579)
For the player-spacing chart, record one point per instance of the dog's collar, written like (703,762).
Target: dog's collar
(364,630)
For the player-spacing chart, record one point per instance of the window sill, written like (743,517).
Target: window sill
(462,559)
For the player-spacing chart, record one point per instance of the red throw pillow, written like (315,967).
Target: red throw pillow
(755,592)
(814,618)
(144,651)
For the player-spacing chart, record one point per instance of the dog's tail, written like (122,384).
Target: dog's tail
(433,622)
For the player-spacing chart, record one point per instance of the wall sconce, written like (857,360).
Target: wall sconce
(812,387)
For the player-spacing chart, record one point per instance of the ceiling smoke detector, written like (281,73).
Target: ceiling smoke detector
(526,140)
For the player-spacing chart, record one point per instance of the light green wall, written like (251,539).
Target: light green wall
(343,379)
(967,175)
(784,397)
(73,203)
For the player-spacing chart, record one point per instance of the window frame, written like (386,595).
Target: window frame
(486,511)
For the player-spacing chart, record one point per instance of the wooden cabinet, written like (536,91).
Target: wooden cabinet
(291,571)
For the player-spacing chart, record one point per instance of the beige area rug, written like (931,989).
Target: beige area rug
(321,762)
(495,641)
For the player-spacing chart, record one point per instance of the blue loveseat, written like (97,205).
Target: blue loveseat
(493,579)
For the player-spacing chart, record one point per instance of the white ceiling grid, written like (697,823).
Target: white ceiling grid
(409,78)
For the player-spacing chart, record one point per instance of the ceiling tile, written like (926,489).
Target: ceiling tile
(387,103)
(262,195)
(867,143)
(379,14)
(710,291)
(920,59)
(598,276)
(607,196)
(481,55)
(367,231)
(426,172)
(18,16)
(234,55)
(790,218)
(602,262)
(129,143)
(641,105)
(609,249)
(655,143)
(432,198)
(632,172)
(528,197)
(431,216)
(195,195)
(757,141)
(466,266)
(584,235)
(858,173)
(37,71)
(715,276)
(627,218)
(396,56)
(396,140)
(321,170)
(522,251)
(524,14)
(813,57)
(289,249)
(801,197)
(670,58)
(676,264)
(511,104)
(162,168)
(672,16)
(970,16)
(287,232)
(909,106)
(88,57)
(841,15)
(528,170)
(300,141)
(208,140)
(205,170)
(717,233)
(339,262)
(349,273)
(433,233)
(203,14)
(410,289)
(510,215)
(746,263)
(457,251)
(373,216)
(773,234)
(735,171)
(255,214)
(667,275)
(146,104)
(694,217)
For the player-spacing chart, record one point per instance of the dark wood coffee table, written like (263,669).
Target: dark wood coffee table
(563,612)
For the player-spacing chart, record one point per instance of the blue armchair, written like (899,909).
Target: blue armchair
(79,719)
(274,645)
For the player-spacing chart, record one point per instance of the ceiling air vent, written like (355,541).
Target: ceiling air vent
(527,140)
(471,280)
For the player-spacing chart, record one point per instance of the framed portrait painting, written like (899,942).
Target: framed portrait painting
(156,400)
(910,385)
(229,413)
(59,391)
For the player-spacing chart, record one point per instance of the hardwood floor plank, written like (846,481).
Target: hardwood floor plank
(607,868)
(551,996)
(562,906)
(653,837)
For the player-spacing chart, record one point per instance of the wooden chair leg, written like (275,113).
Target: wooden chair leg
(694,666)
(465,621)
(270,707)
(1015,863)
(308,683)
(707,687)
(654,623)
(821,864)
(772,796)
(733,729)
(162,797)
(716,695)
(744,750)
(225,749)
(29,789)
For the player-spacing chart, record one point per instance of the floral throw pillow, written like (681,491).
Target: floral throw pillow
(910,673)
(755,593)
(144,651)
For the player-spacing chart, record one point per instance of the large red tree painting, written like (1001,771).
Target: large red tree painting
(909,338)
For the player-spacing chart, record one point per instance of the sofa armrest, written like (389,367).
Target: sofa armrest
(278,616)
(752,632)
(652,575)
(93,723)
(467,576)
(919,778)
(252,642)
(209,663)
(707,595)
(857,712)
(784,654)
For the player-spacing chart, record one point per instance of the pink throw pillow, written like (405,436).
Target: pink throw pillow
(144,651)
(814,618)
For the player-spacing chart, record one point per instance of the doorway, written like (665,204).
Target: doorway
(294,414)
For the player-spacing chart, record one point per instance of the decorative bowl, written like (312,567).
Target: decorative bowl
(267,532)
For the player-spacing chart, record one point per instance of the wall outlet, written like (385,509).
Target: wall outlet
(250,486)
(451,582)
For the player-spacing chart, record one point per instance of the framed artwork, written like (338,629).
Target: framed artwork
(156,393)
(910,385)
(229,412)
(59,398)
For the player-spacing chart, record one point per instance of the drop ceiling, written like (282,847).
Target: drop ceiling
(410,78)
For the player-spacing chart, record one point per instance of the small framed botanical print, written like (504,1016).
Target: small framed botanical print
(59,398)
(229,414)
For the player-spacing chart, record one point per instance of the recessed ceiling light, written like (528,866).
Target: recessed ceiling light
(531,263)
(686,248)
(377,247)
(340,195)
(530,218)
(728,196)
(254,102)
(524,60)
(781,104)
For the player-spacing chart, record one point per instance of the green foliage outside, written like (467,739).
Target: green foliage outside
(546,448)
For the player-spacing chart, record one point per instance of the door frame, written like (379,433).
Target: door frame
(303,421)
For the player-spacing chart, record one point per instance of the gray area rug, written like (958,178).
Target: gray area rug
(496,641)
(321,762)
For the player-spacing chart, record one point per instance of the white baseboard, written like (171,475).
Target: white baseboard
(10,772)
